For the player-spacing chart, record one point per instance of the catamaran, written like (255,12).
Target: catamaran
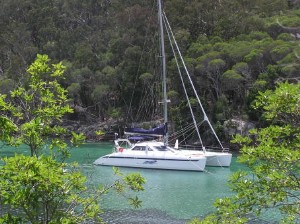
(221,157)
(213,158)
(154,154)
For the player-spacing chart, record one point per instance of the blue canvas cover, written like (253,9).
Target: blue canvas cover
(157,131)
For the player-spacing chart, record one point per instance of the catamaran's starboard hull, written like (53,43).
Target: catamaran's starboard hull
(220,159)
(152,163)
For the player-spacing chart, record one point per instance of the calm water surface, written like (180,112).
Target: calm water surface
(169,196)
(179,194)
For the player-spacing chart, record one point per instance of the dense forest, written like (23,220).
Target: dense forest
(233,49)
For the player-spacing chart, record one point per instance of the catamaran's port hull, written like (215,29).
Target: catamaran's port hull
(153,163)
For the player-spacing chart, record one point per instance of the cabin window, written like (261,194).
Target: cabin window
(161,148)
(141,148)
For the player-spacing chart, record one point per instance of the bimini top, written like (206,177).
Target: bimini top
(157,131)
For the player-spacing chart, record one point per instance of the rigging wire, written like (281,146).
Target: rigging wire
(187,128)
(168,28)
(178,134)
(191,82)
(183,132)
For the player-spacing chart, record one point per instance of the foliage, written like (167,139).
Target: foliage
(281,106)
(40,188)
(43,190)
(31,112)
(272,155)
(110,43)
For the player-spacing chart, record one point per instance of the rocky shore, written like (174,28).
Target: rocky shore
(110,129)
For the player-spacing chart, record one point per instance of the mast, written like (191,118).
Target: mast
(164,70)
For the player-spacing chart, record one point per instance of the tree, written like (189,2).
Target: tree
(39,188)
(101,98)
(42,190)
(34,110)
(272,155)
(233,84)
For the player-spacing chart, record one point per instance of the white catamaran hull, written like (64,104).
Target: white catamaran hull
(221,159)
(158,162)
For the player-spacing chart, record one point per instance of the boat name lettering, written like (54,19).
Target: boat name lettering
(150,162)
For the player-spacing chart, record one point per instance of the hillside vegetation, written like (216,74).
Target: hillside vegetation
(233,50)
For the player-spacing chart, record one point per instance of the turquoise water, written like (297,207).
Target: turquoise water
(169,196)
(179,194)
